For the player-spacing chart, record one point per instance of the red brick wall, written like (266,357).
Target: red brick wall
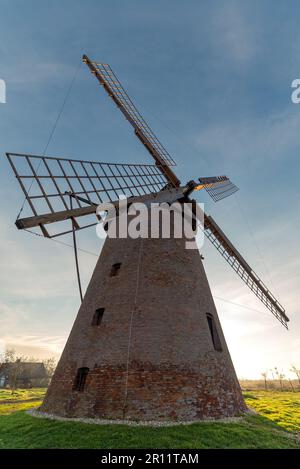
(173,370)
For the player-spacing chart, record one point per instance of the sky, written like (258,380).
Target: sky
(213,80)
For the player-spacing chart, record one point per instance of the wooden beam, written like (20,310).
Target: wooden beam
(31,222)
(167,195)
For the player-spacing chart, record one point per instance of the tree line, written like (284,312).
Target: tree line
(274,378)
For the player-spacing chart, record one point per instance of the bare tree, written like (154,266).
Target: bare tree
(291,384)
(50,365)
(265,377)
(296,370)
(30,359)
(280,377)
(9,356)
(16,370)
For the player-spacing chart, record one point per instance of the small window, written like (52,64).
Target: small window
(214,333)
(80,379)
(115,269)
(97,318)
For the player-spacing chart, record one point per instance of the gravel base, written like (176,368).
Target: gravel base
(36,413)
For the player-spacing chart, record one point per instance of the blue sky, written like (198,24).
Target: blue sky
(213,79)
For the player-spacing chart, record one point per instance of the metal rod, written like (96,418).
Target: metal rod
(75,253)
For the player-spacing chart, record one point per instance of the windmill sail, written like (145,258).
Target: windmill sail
(115,90)
(47,183)
(242,268)
(218,187)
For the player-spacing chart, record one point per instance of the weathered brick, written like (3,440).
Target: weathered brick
(174,372)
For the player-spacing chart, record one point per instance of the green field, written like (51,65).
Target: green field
(277,425)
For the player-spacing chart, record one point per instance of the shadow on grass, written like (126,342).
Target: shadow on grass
(249,396)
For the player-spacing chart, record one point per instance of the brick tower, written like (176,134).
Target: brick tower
(147,343)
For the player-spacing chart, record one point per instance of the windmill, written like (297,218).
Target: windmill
(147,343)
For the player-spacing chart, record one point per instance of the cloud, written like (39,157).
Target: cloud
(41,269)
(10,316)
(15,319)
(33,71)
(232,33)
(258,141)
(34,345)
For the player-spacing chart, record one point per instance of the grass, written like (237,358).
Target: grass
(277,425)
(283,408)
(20,394)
